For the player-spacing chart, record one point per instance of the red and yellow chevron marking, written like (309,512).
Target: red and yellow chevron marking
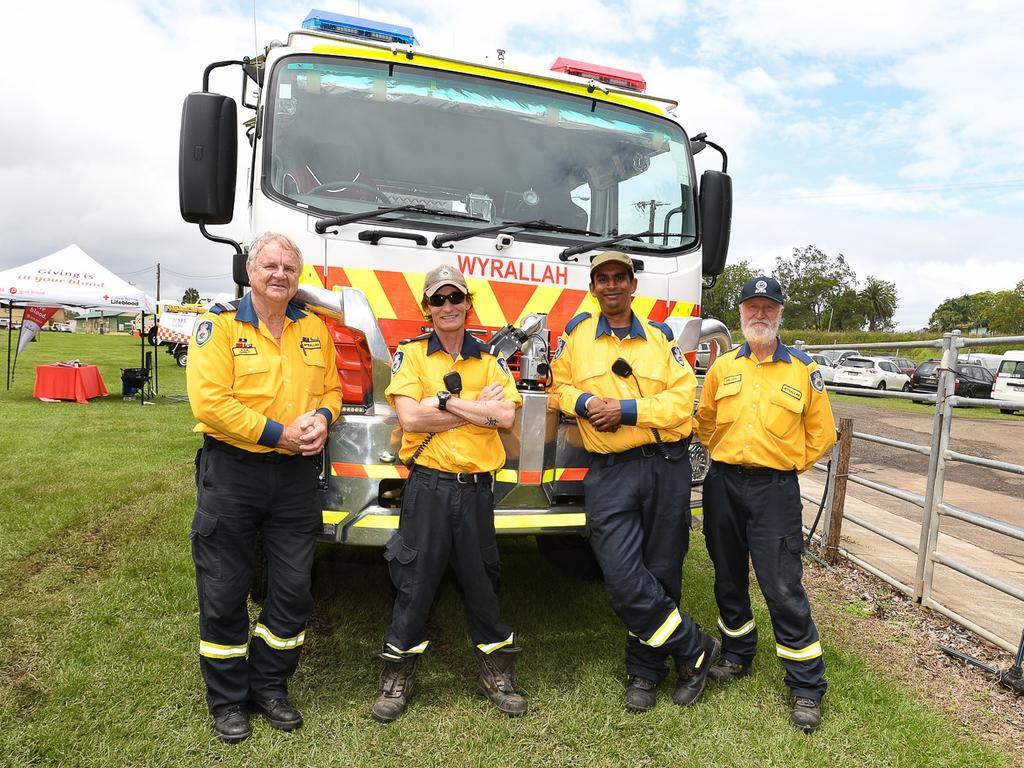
(395,300)
(376,471)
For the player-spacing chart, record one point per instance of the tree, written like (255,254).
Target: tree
(191,296)
(962,313)
(720,302)
(879,302)
(812,281)
(1005,315)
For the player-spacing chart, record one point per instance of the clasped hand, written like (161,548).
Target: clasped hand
(604,413)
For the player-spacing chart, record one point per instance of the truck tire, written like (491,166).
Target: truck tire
(151,336)
(570,554)
(182,357)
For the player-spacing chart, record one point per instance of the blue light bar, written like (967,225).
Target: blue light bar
(352,26)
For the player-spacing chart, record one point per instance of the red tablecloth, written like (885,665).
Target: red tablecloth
(57,382)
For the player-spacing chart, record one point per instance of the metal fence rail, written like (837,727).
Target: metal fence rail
(932,503)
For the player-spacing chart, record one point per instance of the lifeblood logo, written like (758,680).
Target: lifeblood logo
(13,289)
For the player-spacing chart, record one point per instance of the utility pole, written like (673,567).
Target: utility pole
(651,206)
(158,281)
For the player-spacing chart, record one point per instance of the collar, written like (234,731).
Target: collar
(636,330)
(246,312)
(781,354)
(470,346)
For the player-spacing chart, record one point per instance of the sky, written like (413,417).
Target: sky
(890,132)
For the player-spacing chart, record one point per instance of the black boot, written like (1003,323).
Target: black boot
(693,678)
(232,724)
(397,681)
(278,712)
(499,683)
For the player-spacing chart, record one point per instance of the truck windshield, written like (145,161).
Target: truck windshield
(346,136)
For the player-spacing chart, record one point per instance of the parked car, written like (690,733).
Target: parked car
(971,380)
(1009,383)
(983,359)
(828,371)
(871,373)
(838,356)
(905,364)
(61,327)
(703,356)
(5,323)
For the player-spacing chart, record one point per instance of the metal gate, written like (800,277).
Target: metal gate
(929,547)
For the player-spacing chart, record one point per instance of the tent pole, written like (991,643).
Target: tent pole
(156,360)
(10,324)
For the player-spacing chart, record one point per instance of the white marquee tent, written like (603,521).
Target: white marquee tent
(71,278)
(68,278)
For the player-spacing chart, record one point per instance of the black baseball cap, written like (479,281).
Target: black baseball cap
(764,287)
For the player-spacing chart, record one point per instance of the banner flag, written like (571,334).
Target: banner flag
(34,319)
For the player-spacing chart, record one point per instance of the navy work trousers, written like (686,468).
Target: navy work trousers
(239,494)
(756,517)
(638,522)
(444,521)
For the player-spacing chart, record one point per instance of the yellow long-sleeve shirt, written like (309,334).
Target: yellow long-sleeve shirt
(418,371)
(772,414)
(244,388)
(660,397)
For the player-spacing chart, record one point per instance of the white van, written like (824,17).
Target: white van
(1009,384)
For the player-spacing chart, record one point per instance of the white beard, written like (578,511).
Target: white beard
(760,334)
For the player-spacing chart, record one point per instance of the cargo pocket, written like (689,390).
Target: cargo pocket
(791,568)
(399,554)
(398,550)
(492,564)
(205,551)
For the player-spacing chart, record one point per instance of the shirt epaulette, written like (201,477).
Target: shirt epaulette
(803,357)
(225,306)
(571,325)
(421,337)
(663,328)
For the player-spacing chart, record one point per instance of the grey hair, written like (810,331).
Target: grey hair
(266,238)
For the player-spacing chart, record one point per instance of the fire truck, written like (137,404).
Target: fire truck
(383,160)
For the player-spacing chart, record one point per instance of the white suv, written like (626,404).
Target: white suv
(871,373)
(1009,383)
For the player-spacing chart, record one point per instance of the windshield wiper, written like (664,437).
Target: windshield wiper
(568,253)
(347,218)
(451,237)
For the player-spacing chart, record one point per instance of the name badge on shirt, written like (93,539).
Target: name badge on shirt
(308,343)
(736,378)
(792,391)
(243,347)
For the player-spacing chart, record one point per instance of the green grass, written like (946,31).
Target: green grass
(98,662)
(909,406)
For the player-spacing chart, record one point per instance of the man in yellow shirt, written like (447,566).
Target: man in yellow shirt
(264,388)
(452,396)
(765,417)
(632,392)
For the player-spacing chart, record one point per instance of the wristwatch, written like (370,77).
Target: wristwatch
(442,399)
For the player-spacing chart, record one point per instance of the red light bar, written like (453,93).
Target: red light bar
(620,78)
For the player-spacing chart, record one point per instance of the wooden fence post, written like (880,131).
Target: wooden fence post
(835,521)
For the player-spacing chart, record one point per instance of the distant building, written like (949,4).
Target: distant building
(100,321)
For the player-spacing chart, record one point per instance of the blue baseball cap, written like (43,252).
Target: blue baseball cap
(764,287)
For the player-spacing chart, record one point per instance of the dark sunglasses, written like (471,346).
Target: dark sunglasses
(455,297)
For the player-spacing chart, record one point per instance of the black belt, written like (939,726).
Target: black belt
(676,448)
(462,478)
(271,457)
(743,469)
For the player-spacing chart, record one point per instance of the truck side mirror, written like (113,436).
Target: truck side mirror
(207,158)
(241,277)
(716,219)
